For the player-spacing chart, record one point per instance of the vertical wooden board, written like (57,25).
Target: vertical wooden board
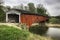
(40,18)
(23,18)
(30,19)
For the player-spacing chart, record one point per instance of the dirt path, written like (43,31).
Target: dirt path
(11,25)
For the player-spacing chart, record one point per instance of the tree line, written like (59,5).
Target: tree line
(31,7)
(54,19)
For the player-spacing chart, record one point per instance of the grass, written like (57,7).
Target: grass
(11,33)
(38,37)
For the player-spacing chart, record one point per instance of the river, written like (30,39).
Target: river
(54,32)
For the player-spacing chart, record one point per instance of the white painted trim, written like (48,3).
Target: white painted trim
(19,18)
(6,17)
(13,12)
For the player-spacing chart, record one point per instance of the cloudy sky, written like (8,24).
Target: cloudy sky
(53,6)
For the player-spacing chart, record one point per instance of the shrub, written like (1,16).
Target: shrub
(38,30)
(2,15)
(11,33)
(54,21)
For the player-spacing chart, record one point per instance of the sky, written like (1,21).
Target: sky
(52,6)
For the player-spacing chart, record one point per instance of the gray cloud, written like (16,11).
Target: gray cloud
(53,6)
(18,2)
(51,2)
(57,7)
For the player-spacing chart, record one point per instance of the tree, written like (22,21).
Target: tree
(26,8)
(7,8)
(2,13)
(31,7)
(54,21)
(41,10)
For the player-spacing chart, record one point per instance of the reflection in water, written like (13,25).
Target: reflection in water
(54,32)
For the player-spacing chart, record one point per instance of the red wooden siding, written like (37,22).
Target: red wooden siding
(30,19)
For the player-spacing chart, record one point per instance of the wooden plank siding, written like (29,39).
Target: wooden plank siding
(30,19)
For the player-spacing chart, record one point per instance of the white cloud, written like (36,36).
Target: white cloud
(18,2)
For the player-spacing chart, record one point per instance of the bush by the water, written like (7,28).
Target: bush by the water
(38,29)
(11,33)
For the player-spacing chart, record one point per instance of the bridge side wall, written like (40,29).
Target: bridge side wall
(30,19)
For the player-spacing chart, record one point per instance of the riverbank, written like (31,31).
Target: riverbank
(31,36)
(53,25)
(38,37)
(47,24)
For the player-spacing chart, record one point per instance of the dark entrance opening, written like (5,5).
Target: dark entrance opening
(13,18)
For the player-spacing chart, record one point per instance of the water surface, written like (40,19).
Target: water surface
(54,32)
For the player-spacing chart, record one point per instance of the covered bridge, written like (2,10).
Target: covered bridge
(22,16)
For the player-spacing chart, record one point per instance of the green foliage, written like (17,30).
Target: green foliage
(2,15)
(11,33)
(23,26)
(54,21)
(41,10)
(26,8)
(38,30)
(31,7)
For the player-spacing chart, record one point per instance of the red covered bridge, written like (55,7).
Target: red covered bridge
(22,16)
